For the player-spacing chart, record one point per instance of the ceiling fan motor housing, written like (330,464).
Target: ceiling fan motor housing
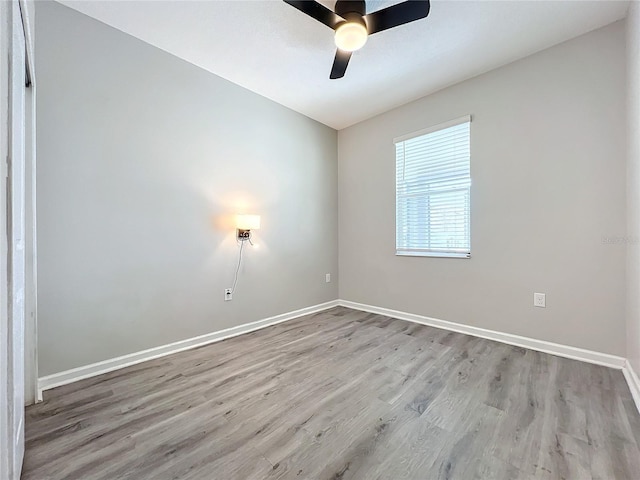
(349,9)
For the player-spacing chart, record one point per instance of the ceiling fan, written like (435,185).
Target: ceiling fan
(352,25)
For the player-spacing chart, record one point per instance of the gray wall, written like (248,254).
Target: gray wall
(143,159)
(548,172)
(633,186)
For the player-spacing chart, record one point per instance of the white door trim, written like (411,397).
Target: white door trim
(27,10)
(17,238)
(13,248)
(5,15)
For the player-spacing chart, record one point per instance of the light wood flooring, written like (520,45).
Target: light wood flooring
(341,394)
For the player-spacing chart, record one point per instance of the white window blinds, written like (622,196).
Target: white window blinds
(433,187)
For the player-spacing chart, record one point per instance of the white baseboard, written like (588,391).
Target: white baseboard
(633,381)
(80,373)
(575,353)
(566,351)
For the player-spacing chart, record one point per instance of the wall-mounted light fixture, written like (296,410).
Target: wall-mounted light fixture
(246,223)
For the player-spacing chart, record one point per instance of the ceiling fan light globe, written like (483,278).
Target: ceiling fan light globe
(351,36)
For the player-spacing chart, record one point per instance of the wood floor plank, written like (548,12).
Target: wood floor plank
(340,394)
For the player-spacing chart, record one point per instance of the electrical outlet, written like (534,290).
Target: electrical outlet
(327,278)
(539,300)
(227,294)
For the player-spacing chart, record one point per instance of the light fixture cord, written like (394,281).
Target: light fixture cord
(235,278)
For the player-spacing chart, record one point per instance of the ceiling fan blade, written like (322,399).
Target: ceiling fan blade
(395,15)
(340,64)
(317,11)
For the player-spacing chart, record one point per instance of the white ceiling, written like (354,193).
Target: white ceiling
(274,50)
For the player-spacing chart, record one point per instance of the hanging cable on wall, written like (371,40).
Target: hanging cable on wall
(235,277)
(244,225)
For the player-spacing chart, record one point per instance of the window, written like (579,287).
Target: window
(433,191)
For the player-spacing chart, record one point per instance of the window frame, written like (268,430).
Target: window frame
(434,252)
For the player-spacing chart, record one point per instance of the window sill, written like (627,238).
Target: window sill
(433,254)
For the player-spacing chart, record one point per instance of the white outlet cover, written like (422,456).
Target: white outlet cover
(540,300)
